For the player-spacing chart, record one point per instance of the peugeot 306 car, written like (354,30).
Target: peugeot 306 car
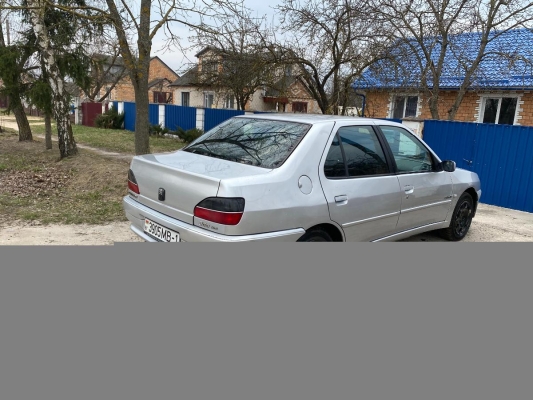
(297,177)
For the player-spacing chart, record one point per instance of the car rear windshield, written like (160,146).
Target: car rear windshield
(259,142)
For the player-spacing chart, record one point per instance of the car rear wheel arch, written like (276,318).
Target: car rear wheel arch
(334,233)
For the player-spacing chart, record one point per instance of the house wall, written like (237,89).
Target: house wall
(258,104)
(124,91)
(196,96)
(527,107)
(378,106)
(298,93)
(159,70)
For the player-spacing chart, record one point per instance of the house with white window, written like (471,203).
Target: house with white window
(501,91)
(286,93)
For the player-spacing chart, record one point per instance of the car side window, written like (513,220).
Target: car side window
(410,155)
(354,152)
(335,166)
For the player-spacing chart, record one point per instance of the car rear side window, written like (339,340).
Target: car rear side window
(335,166)
(259,142)
(359,150)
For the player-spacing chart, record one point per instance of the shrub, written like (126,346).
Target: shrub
(157,130)
(189,135)
(111,119)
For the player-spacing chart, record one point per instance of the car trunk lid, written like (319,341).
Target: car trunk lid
(173,184)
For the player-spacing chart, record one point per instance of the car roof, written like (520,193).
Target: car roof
(314,118)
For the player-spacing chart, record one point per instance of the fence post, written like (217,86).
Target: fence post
(248,113)
(77,114)
(200,118)
(120,107)
(162,115)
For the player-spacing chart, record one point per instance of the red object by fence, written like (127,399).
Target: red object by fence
(90,111)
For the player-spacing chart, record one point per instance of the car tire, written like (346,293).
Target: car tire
(461,219)
(316,236)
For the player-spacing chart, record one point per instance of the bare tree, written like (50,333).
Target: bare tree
(37,10)
(236,63)
(331,42)
(144,21)
(426,32)
(107,67)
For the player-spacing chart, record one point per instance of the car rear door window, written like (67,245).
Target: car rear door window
(355,151)
(410,155)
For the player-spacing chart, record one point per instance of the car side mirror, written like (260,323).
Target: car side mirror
(448,166)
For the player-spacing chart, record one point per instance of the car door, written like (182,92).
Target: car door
(427,191)
(362,192)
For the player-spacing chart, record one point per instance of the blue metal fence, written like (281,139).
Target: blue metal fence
(153,114)
(178,116)
(213,117)
(129,120)
(500,154)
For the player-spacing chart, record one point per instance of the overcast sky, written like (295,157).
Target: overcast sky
(175,58)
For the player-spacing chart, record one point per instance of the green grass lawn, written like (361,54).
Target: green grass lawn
(120,141)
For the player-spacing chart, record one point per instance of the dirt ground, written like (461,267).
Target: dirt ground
(492,224)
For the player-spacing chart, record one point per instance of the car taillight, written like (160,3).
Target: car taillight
(132,183)
(225,211)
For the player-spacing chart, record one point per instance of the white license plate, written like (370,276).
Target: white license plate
(160,232)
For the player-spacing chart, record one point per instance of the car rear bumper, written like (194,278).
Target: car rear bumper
(137,213)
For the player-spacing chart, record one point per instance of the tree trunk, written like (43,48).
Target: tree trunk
(142,121)
(60,97)
(434,105)
(22,120)
(48,131)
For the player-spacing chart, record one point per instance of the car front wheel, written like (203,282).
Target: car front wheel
(461,219)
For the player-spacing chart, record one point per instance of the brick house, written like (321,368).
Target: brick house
(287,93)
(501,91)
(160,78)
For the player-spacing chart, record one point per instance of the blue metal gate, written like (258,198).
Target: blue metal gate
(502,156)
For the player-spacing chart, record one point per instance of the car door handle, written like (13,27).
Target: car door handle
(409,189)
(340,200)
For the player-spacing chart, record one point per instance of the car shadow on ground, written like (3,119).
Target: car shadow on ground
(425,237)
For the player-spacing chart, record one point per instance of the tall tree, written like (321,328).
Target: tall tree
(332,42)
(237,64)
(144,23)
(60,38)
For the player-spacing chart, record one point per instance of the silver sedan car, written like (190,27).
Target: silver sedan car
(306,178)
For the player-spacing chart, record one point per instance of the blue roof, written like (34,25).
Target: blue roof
(508,64)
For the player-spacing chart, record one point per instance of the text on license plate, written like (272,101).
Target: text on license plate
(160,232)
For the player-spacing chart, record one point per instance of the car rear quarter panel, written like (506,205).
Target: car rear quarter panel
(274,201)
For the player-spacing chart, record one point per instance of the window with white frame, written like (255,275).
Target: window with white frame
(404,106)
(499,110)
(229,102)
(209,99)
